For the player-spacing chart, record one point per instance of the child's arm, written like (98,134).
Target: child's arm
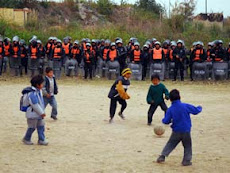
(149,98)
(193,110)
(168,117)
(166,92)
(34,103)
(44,91)
(121,91)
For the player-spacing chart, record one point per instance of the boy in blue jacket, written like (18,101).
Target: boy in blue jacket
(35,112)
(155,97)
(179,116)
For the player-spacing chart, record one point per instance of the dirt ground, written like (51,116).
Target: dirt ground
(82,141)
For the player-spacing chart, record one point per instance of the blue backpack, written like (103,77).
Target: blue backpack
(24,101)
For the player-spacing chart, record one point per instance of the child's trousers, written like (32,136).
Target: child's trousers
(153,108)
(113,106)
(53,103)
(174,140)
(33,124)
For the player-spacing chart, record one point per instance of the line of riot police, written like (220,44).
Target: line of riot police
(103,58)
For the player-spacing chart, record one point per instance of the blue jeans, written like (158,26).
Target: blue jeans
(53,104)
(33,124)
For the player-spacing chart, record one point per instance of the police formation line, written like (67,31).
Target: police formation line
(103,58)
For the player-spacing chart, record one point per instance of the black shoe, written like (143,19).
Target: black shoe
(182,79)
(186,163)
(121,115)
(191,79)
(55,118)
(110,121)
(149,124)
(161,159)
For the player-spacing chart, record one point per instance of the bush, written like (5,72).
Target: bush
(3,27)
(105,7)
(150,5)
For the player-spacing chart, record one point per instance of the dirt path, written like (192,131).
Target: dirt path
(83,141)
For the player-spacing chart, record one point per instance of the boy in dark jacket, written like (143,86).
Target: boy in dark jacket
(118,93)
(155,97)
(49,90)
(179,115)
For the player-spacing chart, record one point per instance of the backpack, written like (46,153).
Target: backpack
(24,101)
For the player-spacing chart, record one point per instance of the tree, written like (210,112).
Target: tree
(150,5)
(185,8)
(105,7)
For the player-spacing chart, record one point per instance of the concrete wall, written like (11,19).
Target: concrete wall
(16,16)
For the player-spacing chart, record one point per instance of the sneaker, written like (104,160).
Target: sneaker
(121,115)
(186,163)
(161,159)
(42,142)
(27,142)
(110,121)
(54,118)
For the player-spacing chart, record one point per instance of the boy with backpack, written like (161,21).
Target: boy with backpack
(32,103)
(50,89)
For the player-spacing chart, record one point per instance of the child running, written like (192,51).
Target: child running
(118,93)
(49,90)
(35,111)
(155,97)
(179,116)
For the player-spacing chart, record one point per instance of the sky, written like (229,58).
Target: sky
(213,5)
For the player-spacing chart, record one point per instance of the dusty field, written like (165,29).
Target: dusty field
(82,141)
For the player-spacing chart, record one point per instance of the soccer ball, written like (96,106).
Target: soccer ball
(159,130)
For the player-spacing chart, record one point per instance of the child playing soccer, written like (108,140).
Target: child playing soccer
(35,111)
(179,115)
(49,90)
(118,93)
(155,97)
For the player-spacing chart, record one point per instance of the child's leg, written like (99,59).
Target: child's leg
(53,103)
(32,124)
(163,106)
(151,111)
(46,101)
(187,143)
(113,106)
(123,105)
(41,129)
(171,144)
